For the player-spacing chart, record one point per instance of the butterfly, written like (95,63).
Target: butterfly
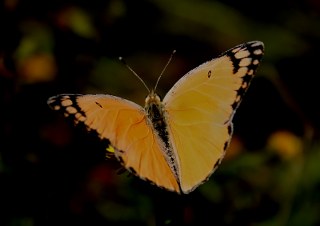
(178,142)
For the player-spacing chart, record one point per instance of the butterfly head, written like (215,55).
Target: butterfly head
(153,105)
(152,99)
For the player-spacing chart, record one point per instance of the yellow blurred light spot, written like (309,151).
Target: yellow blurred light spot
(286,144)
(76,20)
(37,68)
(10,4)
(110,149)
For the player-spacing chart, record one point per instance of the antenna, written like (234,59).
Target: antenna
(125,63)
(165,67)
(163,70)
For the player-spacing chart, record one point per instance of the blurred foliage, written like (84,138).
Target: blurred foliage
(54,174)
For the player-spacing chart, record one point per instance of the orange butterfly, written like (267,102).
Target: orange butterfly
(176,143)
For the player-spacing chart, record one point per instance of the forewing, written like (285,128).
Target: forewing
(125,126)
(199,110)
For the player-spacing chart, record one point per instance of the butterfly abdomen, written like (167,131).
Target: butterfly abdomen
(155,113)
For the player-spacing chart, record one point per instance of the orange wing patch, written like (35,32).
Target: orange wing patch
(125,125)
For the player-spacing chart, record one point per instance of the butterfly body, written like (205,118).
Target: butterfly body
(178,142)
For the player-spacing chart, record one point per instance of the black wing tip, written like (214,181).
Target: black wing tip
(255,43)
(68,106)
(56,100)
(252,44)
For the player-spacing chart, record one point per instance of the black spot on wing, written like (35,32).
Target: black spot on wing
(97,103)
(217,163)
(241,91)
(230,129)
(121,170)
(133,171)
(226,145)
(247,78)
(234,105)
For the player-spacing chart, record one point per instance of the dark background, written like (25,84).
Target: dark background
(52,173)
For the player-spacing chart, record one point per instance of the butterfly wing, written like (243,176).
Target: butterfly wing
(199,109)
(126,128)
